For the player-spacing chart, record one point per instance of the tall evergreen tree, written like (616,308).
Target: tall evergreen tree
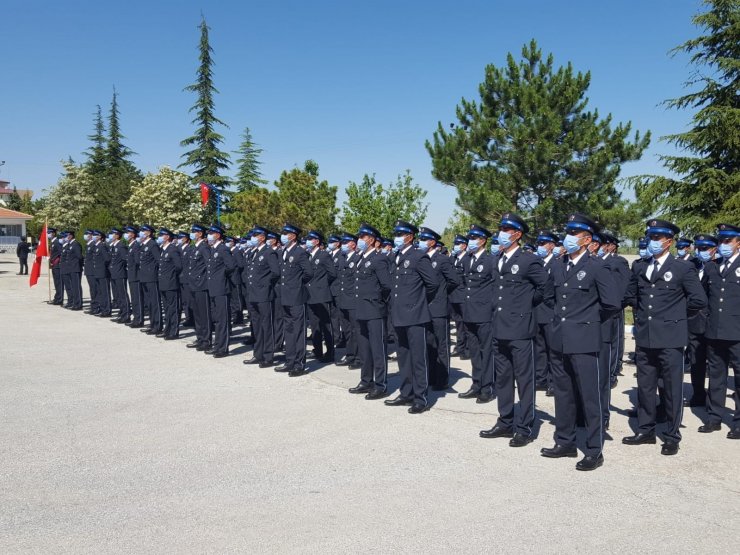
(248,177)
(705,187)
(116,153)
(205,157)
(530,145)
(96,154)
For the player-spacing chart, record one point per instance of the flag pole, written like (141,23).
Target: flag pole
(48,269)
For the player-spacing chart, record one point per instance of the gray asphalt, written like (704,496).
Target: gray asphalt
(116,442)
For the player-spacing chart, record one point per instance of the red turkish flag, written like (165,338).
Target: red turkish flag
(41,251)
(203,194)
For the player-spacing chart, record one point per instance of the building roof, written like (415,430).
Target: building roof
(12,214)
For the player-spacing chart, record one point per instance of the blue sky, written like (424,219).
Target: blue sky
(356,86)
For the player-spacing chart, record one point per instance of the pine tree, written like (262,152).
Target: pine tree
(116,153)
(248,177)
(705,187)
(530,145)
(96,154)
(205,157)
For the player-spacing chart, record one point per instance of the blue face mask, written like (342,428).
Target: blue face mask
(362,244)
(495,249)
(542,251)
(48,235)
(331,246)
(424,245)
(193,237)
(473,244)
(253,242)
(398,242)
(655,247)
(160,239)
(310,244)
(110,238)
(644,253)
(284,239)
(600,252)
(557,251)
(86,237)
(211,238)
(504,239)
(142,234)
(456,249)
(704,256)
(681,252)
(726,250)
(345,248)
(570,243)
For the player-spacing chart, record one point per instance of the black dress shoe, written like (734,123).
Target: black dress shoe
(311,355)
(640,439)
(590,463)
(152,332)
(145,330)
(497,431)
(455,352)
(252,360)
(103,315)
(220,354)
(209,350)
(550,392)
(398,401)
(540,387)
(465,356)
(344,361)
(469,394)
(360,388)
(283,368)
(520,440)
(559,451)
(695,402)
(134,325)
(484,398)
(159,334)
(187,324)
(734,433)
(632,413)
(193,345)
(416,408)
(354,366)
(327,358)
(377,394)
(203,347)
(297,371)
(76,308)
(266,364)
(170,337)
(669,448)
(710,427)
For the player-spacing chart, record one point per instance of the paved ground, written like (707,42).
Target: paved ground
(112,441)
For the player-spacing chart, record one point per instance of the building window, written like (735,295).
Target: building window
(11,230)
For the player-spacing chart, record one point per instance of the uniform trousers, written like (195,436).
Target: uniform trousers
(337,332)
(74,289)
(102,286)
(261,318)
(220,318)
(121,295)
(606,355)
(202,316)
(480,347)
(697,355)
(542,354)
(186,303)
(347,317)
(578,376)
(438,352)
(137,302)
(294,330)
(615,359)
(92,285)
(411,347)
(371,348)
(171,313)
(150,297)
(320,320)
(56,274)
(720,356)
(654,364)
(514,360)
(461,339)
(278,324)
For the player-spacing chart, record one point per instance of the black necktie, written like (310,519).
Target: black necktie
(725,267)
(570,266)
(654,275)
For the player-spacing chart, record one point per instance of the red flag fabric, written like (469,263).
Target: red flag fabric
(203,194)
(41,251)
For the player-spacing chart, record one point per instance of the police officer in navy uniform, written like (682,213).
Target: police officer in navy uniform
(457,298)
(149,278)
(438,338)
(684,249)
(197,278)
(118,273)
(262,272)
(372,284)
(186,296)
(480,276)
(295,273)
(584,291)
(705,247)
(319,297)
(347,302)
(101,274)
(664,296)
(620,266)
(71,268)
(278,324)
(89,273)
(220,267)
(170,267)
(333,247)
(523,284)
(132,275)
(545,241)
(235,296)
(723,329)
(55,257)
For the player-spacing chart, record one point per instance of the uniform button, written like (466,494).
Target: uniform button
(395,294)
(500,277)
(653,286)
(563,308)
(565,285)
(650,317)
(723,280)
(722,288)
(721,299)
(500,298)
(565,296)
(500,286)
(562,319)
(720,310)
(468,296)
(499,308)
(651,296)
(650,306)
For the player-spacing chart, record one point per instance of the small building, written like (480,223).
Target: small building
(12,227)
(6,191)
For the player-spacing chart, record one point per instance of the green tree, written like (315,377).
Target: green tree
(165,198)
(97,157)
(248,176)
(380,206)
(258,206)
(70,200)
(704,186)
(98,218)
(15,202)
(304,200)
(206,159)
(116,153)
(530,145)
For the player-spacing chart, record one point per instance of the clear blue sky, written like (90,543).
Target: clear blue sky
(356,86)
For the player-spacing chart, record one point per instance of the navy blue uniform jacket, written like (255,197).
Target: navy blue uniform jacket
(262,272)
(414,285)
(324,274)
(220,266)
(118,260)
(148,261)
(480,275)
(372,285)
(295,272)
(170,266)
(724,301)
(198,266)
(448,279)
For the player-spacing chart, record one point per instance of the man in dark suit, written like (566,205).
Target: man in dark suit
(457,298)
(546,241)
(197,278)
(664,296)
(723,329)
(101,273)
(118,272)
(480,275)
(71,267)
(170,266)
(149,278)
(295,273)
(132,275)
(262,272)
(347,302)
(584,291)
(523,284)
(372,284)
(55,257)
(220,267)
(21,250)
(319,297)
